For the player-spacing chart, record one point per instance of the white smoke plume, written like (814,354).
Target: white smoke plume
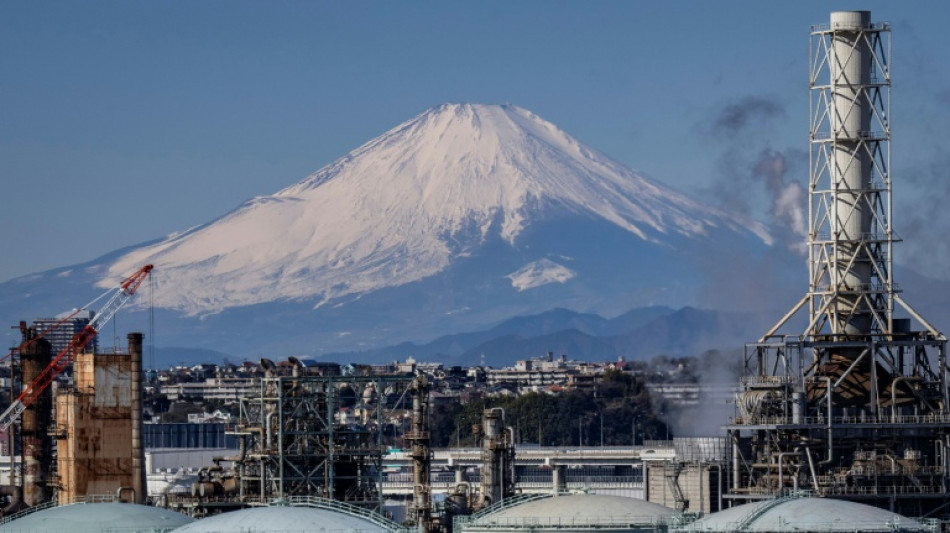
(752,177)
(788,198)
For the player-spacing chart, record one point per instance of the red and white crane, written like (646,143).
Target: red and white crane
(118,297)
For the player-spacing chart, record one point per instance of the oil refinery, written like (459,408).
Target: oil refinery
(842,414)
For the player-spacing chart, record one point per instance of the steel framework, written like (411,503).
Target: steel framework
(856,406)
(296,444)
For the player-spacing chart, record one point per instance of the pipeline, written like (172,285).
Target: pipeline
(14,497)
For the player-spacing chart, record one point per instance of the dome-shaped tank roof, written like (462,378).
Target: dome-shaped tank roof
(564,512)
(97,518)
(803,513)
(278,518)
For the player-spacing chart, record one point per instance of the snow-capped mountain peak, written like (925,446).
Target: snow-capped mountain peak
(407,204)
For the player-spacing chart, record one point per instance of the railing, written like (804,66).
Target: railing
(333,505)
(572,523)
(92,498)
(930,419)
(841,26)
(766,380)
(823,136)
(504,504)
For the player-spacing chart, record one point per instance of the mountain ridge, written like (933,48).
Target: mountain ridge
(405,205)
(410,238)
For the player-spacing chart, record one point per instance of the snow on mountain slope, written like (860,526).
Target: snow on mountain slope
(403,206)
(538,273)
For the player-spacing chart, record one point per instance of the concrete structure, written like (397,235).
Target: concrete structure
(686,486)
(857,406)
(105,517)
(691,479)
(568,513)
(95,427)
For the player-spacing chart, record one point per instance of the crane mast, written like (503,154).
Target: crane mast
(118,297)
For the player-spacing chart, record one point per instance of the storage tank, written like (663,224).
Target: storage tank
(95,518)
(568,513)
(803,513)
(295,514)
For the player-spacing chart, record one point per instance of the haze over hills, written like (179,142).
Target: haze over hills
(455,221)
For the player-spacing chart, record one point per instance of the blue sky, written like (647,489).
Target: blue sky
(121,122)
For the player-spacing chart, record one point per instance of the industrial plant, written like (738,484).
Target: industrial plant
(841,425)
(855,405)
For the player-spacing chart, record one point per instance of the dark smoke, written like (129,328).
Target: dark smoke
(753,178)
(751,174)
(738,118)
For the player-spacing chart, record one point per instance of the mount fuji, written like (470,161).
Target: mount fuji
(457,219)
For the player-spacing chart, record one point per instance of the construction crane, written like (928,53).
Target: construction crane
(118,297)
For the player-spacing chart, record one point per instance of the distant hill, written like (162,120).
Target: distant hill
(637,334)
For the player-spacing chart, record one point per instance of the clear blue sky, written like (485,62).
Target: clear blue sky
(123,121)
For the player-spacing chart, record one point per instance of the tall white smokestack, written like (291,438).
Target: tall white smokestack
(852,213)
(850,186)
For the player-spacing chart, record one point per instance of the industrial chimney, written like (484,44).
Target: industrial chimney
(859,392)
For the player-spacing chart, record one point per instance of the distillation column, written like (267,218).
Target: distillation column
(497,459)
(421,453)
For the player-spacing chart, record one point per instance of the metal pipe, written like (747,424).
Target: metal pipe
(830,425)
(781,457)
(811,467)
(15,495)
(735,462)
(120,490)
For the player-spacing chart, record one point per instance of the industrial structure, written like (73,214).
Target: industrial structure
(295,444)
(97,420)
(292,442)
(498,454)
(855,406)
(98,427)
(692,477)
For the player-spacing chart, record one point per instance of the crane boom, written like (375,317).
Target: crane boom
(119,296)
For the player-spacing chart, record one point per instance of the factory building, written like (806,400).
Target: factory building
(98,427)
